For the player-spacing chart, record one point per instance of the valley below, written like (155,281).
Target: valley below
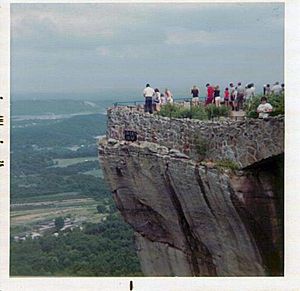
(59,197)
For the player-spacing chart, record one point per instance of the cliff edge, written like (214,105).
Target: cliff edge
(196,218)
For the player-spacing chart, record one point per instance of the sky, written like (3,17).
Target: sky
(88,48)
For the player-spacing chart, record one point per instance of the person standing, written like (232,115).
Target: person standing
(209,94)
(240,96)
(276,89)
(248,92)
(252,90)
(231,94)
(217,96)
(226,96)
(157,100)
(195,95)
(267,90)
(169,96)
(235,102)
(148,94)
(163,99)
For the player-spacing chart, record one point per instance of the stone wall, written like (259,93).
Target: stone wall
(243,142)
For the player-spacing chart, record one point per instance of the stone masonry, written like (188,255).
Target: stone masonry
(242,142)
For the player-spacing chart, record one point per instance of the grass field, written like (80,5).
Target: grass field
(67,162)
(27,216)
(50,197)
(95,173)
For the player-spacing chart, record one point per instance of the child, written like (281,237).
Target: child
(226,96)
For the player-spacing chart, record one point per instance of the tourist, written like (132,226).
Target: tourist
(156,100)
(195,95)
(169,96)
(267,90)
(217,96)
(226,96)
(231,94)
(276,89)
(248,92)
(240,96)
(264,108)
(252,90)
(148,94)
(209,94)
(163,99)
(235,100)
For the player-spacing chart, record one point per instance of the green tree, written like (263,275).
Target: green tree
(59,223)
(101,208)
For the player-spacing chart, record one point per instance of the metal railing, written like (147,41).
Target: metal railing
(141,102)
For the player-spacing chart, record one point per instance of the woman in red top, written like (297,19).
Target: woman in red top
(226,96)
(210,94)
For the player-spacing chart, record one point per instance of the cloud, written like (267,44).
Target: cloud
(120,43)
(76,20)
(182,36)
(84,20)
(103,51)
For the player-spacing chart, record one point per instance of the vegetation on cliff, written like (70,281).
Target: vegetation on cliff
(277,102)
(210,111)
(195,112)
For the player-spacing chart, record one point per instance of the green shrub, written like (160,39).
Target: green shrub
(214,111)
(227,164)
(201,147)
(173,110)
(277,101)
(199,112)
(178,111)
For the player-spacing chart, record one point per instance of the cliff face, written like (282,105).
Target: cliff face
(197,219)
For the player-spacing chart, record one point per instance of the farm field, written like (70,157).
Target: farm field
(68,162)
(62,215)
(33,214)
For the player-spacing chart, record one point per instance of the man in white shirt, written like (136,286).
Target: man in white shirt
(276,89)
(264,108)
(148,94)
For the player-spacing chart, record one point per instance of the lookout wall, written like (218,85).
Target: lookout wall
(243,142)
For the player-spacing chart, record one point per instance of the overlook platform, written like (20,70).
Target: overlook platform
(244,142)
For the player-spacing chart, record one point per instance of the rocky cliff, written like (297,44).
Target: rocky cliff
(199,218)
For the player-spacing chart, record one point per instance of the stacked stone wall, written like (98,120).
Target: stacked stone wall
(243,142)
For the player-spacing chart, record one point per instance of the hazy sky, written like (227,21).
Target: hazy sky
(87,47)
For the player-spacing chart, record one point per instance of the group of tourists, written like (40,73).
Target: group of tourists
(276,89)
(154,99)
(233,96)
